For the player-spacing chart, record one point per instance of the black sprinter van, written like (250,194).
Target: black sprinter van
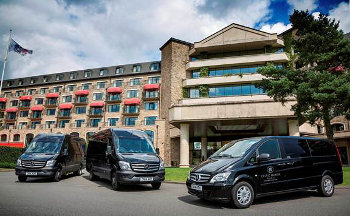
(124,156)
(51,155)
(248,168)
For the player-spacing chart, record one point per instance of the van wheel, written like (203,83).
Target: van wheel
(22,178)
(156,185)
(79,172)
(242,195)
(326,187)
(58,175)
(92,176)
(115,184)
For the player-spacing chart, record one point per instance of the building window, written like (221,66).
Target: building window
(131,109)
(194,93)
(20,82)
(236,90)
(136,81)
(21,125)
(338,127)
(64,113)
(34,125)
(80,110)
(31,91)
(103,72)
(94,122)
(73,75)
(50,112)
(3,138)
(81,99)
(51,101)
(113,121)
(113,97)
(130,121)
(101,85)
(114,108)
(117,83)
(7,94)
(97,96)
(39,101)
(87,74)
(67,98)
(150,134)
(151,105)
(62,123)
(57,89)
(151,94)
(132,93)
(195,74)
(85,86)
(50,124)
(150,120)
(119,70)
(24,113)
(136,68)
(14,103)
(79,122)
(153,80)
(43,90)
(9,83)
(36,114)
(96,111)
(154,66)
(45,79)
(59,77)
(71,88)
(32,81)
(19,93)
(319,129)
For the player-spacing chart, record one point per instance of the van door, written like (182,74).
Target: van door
(67,158)
(270,174)
(296,153)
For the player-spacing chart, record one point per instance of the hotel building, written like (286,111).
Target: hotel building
(199,97)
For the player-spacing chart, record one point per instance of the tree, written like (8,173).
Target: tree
(317,76)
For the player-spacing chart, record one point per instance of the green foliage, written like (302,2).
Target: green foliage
(7,165)
(203,91)
(346,173)
(176,174)
(319,45)
(9,154)
(185,93)
(204,72)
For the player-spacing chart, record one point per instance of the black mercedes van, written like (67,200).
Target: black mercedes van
(248,168)
(51,155)
(124,156)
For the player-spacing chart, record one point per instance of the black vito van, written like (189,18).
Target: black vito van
(248,168)
(51,155)
(124,156)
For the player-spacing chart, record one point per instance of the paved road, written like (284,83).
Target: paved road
(79,196)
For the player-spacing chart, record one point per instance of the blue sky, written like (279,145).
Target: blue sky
(73,35)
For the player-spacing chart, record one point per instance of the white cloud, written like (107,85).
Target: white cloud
(303,4)
(316,15)
(276,28)
(76,36)
(341,13)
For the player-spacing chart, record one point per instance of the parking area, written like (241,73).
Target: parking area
(79,196)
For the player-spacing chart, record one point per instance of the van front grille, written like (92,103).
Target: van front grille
(138,167)
(33,164)
(199,177)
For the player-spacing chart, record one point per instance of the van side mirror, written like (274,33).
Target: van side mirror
(109,150)
(157,150)
(263,157)
(65,152)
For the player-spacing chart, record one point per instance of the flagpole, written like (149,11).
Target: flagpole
(5,59)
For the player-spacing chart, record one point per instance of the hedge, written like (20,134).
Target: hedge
(9,154)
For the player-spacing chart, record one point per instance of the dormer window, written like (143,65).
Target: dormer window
(9,83)
(45,79)
(32,81)
(73,75)
(136,68)
(20,82)
(119,70)
(87,74)
(154,67)
(59,77)
(103,72)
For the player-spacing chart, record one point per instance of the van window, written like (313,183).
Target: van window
(270,147)
(321,148)
(45,144)
(97,148)
(295,147)
(133,142)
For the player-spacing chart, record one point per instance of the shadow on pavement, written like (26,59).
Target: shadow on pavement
(45,179)
(192,200)
(125,188)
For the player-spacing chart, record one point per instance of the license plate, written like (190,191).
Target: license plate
(146,179)
(196,187)
(31,173)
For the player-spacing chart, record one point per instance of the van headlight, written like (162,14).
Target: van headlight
(50,163)
(19,163)
(124,165)
(189,175)
(221,177)
(161,165)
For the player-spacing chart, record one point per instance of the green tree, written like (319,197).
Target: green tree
(317,78)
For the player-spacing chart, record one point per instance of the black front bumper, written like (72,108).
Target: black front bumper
(131,177)
(219,191)
(41,172)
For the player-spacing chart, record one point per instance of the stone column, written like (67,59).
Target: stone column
(293,127)
(204,143)
(184,145)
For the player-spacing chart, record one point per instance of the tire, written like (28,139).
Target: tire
(156,185)
(58,175)
(115,184)
(242,195)
(79,172)
(326,187)
(92,176)
(22,178)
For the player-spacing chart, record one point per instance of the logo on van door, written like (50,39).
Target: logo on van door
(270,169)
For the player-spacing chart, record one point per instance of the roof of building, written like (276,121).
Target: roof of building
(111,72)
(176,40)
(347,35)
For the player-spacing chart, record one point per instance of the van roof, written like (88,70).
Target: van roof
(295,137)
(52,134)
(125,129)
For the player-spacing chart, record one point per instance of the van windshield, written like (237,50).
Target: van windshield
(133,142)
(45,144)
(236,148)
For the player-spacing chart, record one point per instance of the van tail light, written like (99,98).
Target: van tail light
(341,163)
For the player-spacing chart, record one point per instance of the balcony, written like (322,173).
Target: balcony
(95,113)
(131,111)
(149,96)
(49,103)
(64,114)
(113,98)
(35,116)
(79,101)
(10,119)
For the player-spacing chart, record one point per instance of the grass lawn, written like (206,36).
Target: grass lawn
(176,174)
(180,175)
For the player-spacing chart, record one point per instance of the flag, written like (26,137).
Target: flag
(14,46)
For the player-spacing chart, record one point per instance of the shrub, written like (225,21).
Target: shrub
(9,154)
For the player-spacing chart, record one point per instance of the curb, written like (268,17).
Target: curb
(174,182)
(6,169)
